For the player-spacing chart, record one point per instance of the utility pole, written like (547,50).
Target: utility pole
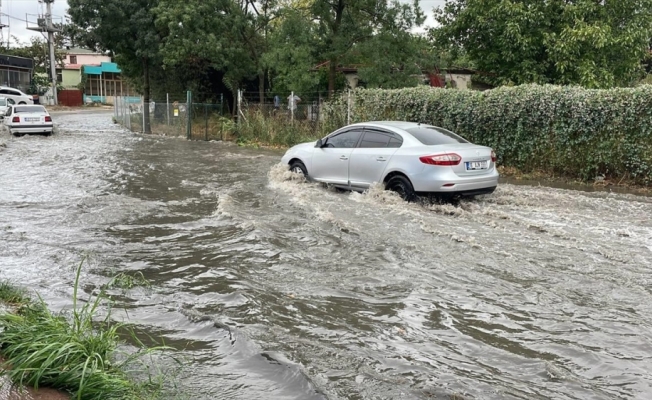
(53,61)
(2,26)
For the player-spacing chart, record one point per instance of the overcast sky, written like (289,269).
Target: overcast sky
(18,9)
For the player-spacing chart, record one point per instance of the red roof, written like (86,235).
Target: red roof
(79,66)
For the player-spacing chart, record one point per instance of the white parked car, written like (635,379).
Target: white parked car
(16,95)
(409,158)
(4,106)
(22,119)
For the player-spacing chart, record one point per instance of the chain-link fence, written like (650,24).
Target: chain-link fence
(278,119)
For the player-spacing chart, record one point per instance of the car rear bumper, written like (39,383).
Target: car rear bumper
(31,129)
(443,181)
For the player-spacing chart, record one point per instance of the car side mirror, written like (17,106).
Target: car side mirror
(319,143)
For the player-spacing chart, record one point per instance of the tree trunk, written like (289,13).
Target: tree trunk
(332,70)
(147,128)
(261,86)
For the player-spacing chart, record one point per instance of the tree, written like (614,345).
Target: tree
(126,28)
(291,53)
(37,49)
(231,36)
(345,25)
(396,59)
(586,42)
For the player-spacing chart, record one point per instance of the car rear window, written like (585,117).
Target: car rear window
(433,136)
(3,102)
(29,109)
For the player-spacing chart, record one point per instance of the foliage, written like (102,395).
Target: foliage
(567,131)
(71,352)
(344,27)
(291,57)
(595,44)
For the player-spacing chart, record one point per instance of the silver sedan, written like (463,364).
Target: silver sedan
(410,158)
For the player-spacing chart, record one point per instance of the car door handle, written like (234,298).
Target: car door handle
(381,159)
(344,158)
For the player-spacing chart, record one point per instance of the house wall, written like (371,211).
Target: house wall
(87,59)
(462,82)
(71,78)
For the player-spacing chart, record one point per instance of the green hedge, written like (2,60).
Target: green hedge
(566,131)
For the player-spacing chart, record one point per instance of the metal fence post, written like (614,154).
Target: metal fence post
(167,106)
(348,106)
(221,104)
(189,115)
(142,101)
(206,122)
(291,104)
(239,110)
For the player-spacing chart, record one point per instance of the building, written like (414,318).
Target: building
(104,82)
(102,78)
(16,72)
(70,75)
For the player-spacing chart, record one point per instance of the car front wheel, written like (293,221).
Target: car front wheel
(402,186)
(298,168)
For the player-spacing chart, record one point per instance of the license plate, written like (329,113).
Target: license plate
(32,119)
(475,165)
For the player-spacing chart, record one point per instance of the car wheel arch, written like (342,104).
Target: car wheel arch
(394,173)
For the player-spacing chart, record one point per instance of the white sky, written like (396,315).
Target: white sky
(17,10)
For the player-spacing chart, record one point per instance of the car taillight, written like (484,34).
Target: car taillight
(493,156)
(15,119)
(48,118)
(441,159)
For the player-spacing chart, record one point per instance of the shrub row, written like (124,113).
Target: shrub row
(563,131)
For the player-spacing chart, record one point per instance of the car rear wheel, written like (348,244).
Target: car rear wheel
(298,168)
(22,103)
(402,186)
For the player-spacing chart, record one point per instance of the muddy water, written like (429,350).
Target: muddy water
(274,288)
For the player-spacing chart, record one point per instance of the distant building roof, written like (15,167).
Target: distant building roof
(72,66)
(79,50)
(102,68)
(17,62)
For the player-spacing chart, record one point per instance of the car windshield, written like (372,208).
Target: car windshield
(29,109)
(433,136)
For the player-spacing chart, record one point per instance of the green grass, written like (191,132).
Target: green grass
(73,351)
(259,129)
(127,281)
(13,295)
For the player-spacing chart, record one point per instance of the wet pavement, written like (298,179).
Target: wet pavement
(271,287)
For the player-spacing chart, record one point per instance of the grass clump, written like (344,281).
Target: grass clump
(12,295)
(71,351)
(127,281)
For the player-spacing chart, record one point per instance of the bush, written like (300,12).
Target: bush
(567,131)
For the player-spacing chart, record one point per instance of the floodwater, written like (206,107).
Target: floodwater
(273,288)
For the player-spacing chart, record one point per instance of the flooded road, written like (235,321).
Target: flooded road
(273,288)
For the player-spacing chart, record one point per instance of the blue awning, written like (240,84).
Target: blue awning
(105,67)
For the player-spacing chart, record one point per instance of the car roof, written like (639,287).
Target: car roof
(12,88)
(390,124)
